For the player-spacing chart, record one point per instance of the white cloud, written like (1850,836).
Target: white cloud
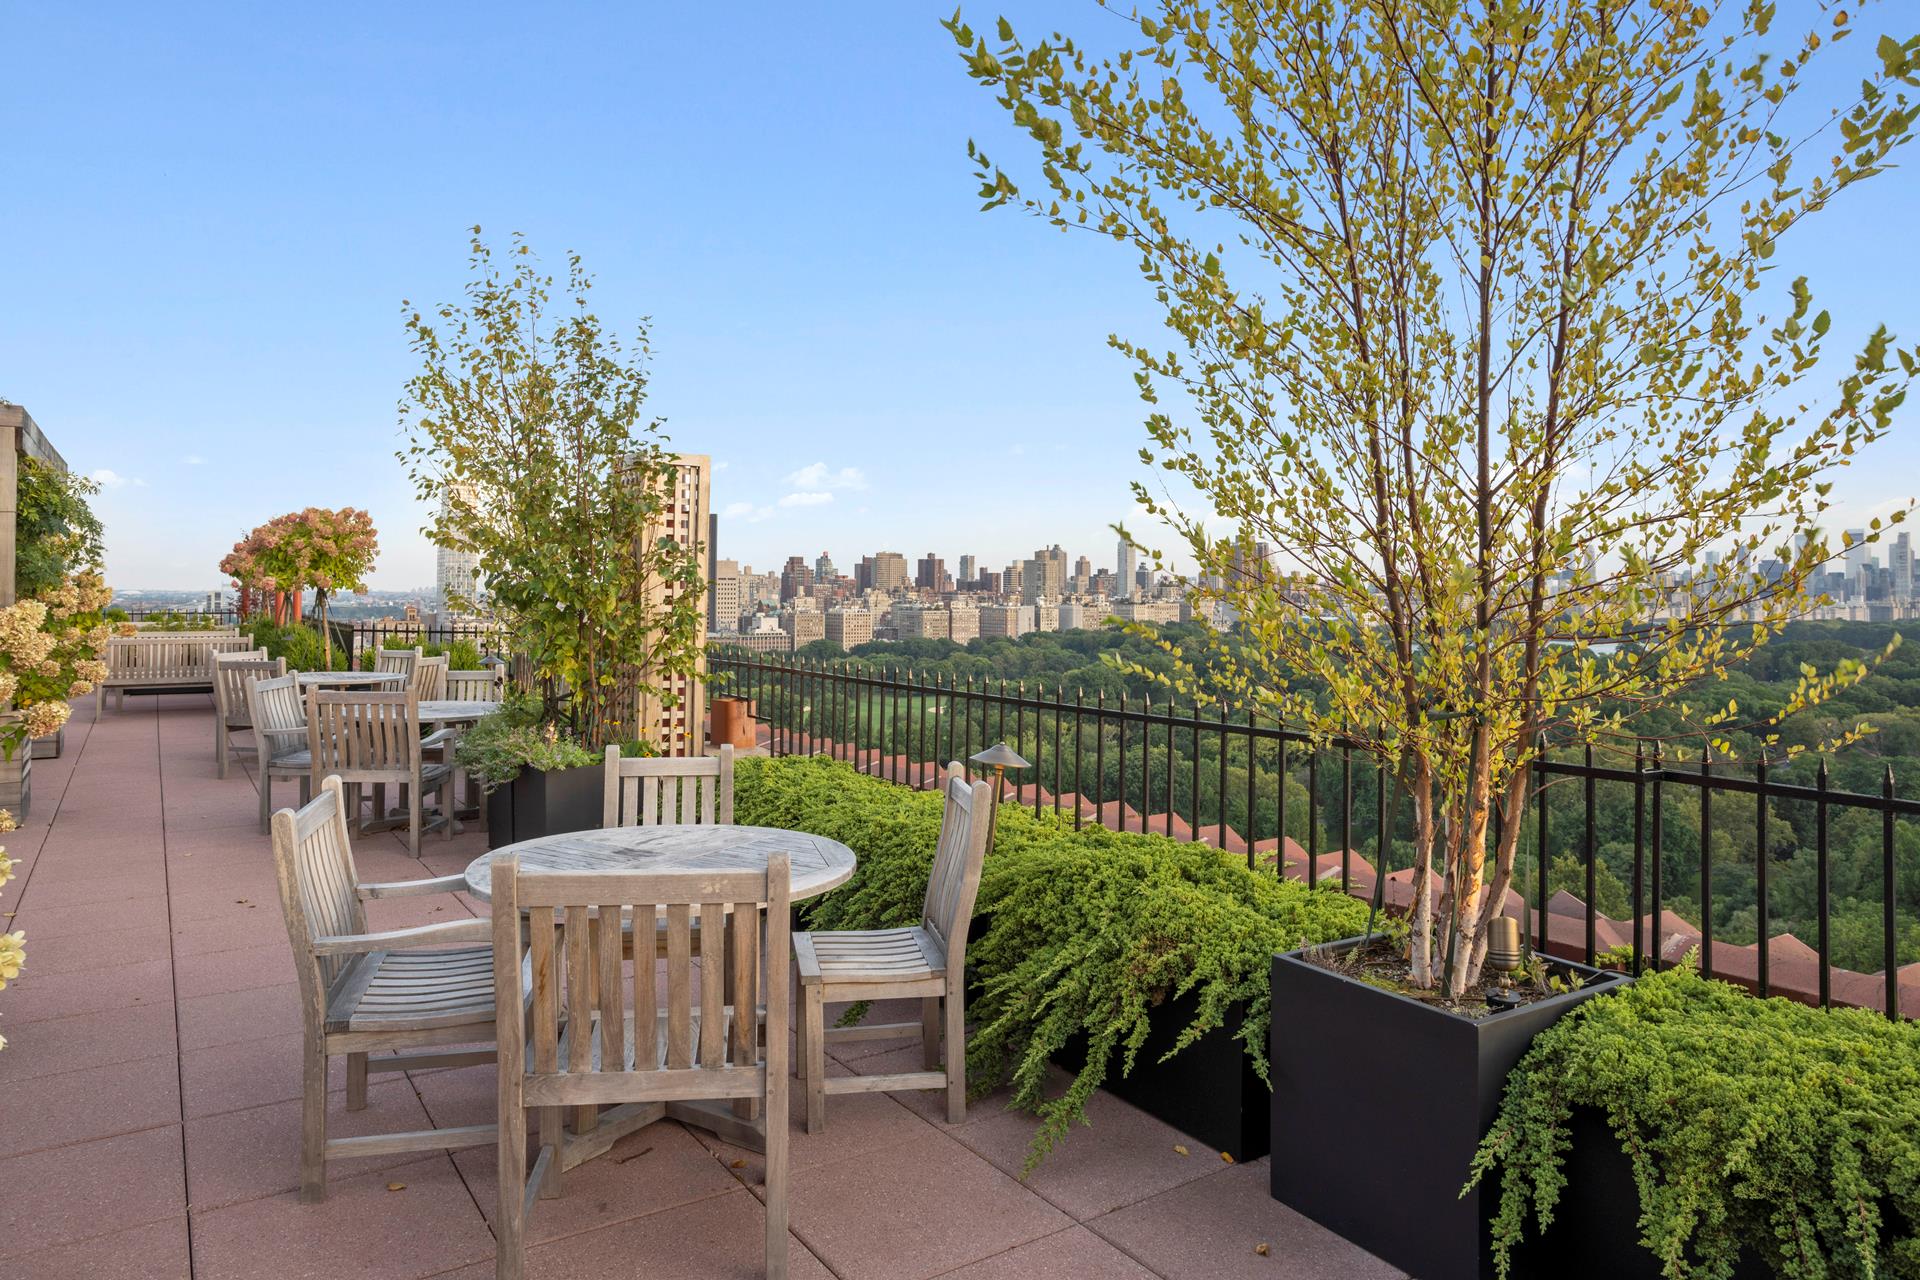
(818,478)
(110,479)
(806,499)
(746,512)
(194,460)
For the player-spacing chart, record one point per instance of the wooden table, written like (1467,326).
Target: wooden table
(350,679)
(819,864)
(439,712)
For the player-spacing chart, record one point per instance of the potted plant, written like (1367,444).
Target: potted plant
(56,535)
(1501,429)
(551,477)
(538,781)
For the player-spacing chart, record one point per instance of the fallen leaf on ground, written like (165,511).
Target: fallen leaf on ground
(1180,1150)
(1262,1250)
(1227,1156)
(738,1164)
(396,1186)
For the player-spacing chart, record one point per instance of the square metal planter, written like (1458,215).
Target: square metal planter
(1379,1102)
(544,802)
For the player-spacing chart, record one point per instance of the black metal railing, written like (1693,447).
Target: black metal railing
(186,618)
(1141,764)
(361,637)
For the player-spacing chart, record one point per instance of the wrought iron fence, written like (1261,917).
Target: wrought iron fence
(1327,812)
(188,618)
(360,637)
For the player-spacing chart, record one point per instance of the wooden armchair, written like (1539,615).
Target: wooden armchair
(428,679)
(644,791)
(280,736)
(231,675)
(598,1038)
(363,993)
(397,660)
(927,961)
(374,739)
(482,684)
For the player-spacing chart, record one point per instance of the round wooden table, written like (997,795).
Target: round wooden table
(819,864)
(350,679)
(443,711)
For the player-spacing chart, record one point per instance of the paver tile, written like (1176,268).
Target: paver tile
(78,1106)
(154,1251)
(1073,1254)
(242,1155)
(67,1194)
(362,1230)
(916,1209)
(1213,1228)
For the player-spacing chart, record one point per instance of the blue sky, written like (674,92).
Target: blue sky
(213,215)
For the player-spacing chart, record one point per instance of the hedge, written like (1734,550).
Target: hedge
(1085,931)
(1789,1131)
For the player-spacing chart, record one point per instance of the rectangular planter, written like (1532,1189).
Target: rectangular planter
(16,783)
(50,747)
(545,803)
(1208,1090)
(1379,1101)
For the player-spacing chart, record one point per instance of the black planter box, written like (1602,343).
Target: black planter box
(543,802)
(1208,1090)
(1379,1102)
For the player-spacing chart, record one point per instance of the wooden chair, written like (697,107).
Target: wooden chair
(428,680)
(363,993)
(598,1038)
(927,961)
(231,675)
(486,684)
(397,660)
(644,791)
(280,735)
(374,739)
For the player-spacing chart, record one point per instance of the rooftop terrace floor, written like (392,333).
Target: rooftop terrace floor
(149,1099)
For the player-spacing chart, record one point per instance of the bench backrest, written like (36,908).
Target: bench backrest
(172,657)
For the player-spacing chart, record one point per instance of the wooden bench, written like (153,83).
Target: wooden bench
(165,662)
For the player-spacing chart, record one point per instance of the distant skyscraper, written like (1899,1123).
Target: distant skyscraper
(1856,560)
(674,718)
(1900,560)
(725,591)
(889,571)
(456,574)
(1045,576)
(1125,568)
(795,578)
(823,570)
(931,573)
(969,569)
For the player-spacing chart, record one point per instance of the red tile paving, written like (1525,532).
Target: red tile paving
(149,1099)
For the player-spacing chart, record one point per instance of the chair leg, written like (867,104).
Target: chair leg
(219,744)
(313,1123)
(552,1134)
(956,1046)
(777,1172)
(413,821)
(814,1016)
(266,796)
(356,1082)
(447,807)
(509,1225)
(930,1032)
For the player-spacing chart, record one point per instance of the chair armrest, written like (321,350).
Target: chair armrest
(424,935)
(414,888)
(804,960)
(440,738)
(297,737)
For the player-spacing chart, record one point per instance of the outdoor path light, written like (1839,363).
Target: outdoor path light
(999,757)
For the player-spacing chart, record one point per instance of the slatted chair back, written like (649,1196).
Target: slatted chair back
(398,661)
(319,890)
(364,737)
(428,679)
(278,714)
(957,859)
(593,1035)
(174,657)
(482,685)
(645,791)
(232,672)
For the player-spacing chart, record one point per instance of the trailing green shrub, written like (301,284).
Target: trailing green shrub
(1087,931)
(298,644)
(1788,1131)
(463,655)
